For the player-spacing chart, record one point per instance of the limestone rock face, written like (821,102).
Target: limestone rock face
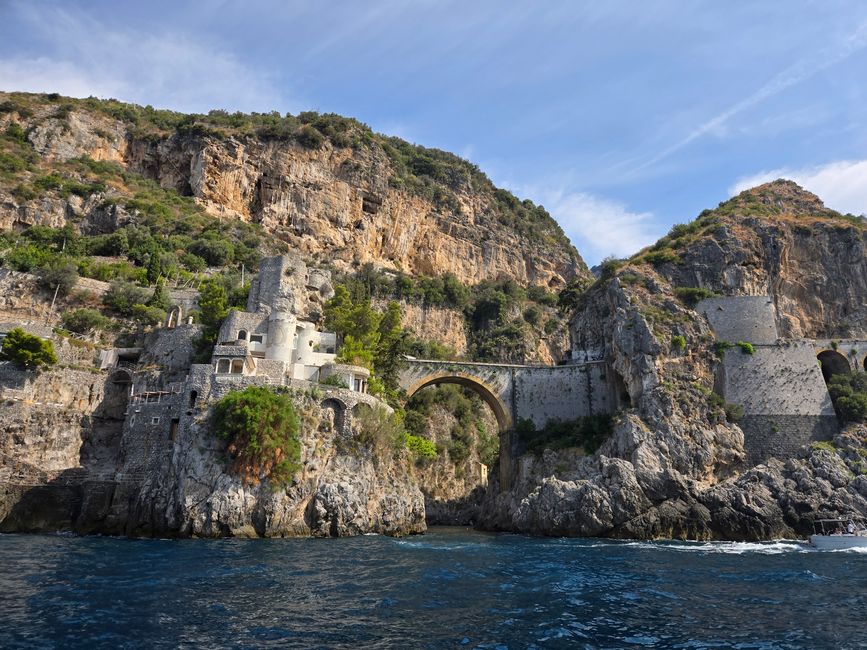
(334,204)
(68,466)
(814,266)
(673,466)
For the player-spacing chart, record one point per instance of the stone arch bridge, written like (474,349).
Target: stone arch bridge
(540,394)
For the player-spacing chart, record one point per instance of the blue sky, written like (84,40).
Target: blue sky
(621,117)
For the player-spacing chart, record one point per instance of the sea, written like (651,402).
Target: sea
(449,588)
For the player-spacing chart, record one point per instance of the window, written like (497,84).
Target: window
(237,366)
(155,420)
(194,395)
(242,335)
(255,338)
(173,431)
(223,366)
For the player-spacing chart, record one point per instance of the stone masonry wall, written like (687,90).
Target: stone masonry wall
(741,318)
(561,392)
(780,436)
(776,380)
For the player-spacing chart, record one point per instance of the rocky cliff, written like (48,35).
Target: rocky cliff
(324,186)
(69,463)
(675,465)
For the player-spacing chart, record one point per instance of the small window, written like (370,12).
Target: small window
(237,366)
(131,420)
(223,366)
(242,335)
(255,338)
(173,431)
(194,395)
(155,420)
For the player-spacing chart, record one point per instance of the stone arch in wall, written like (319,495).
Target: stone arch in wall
(865,364)
(477,385)
(335,410)
(175,317)
(833,363)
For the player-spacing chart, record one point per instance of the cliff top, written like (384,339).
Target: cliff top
(437,176)
(778,198)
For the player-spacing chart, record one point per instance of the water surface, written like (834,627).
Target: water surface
(449,588)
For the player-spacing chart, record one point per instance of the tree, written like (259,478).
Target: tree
(83,321)
(28,350)
(123,296)
(213,303)
(154,267)
(148,316)
(391,347)
(160,298)
(58,275)
(262,430)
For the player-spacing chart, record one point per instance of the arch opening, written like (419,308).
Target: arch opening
(457,440)
(501,411)
(865,364)
(833,363)
(334,411)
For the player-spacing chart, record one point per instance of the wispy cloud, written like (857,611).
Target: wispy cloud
(793,75)
(842,185)
(84,56)
(598,226)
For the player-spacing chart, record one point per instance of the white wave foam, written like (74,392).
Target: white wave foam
(735,548)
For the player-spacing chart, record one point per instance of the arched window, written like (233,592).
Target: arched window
(242,335)
(223,366)
(237,366)
(194,395)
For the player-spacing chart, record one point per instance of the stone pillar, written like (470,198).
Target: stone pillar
(281,332)
(304,351)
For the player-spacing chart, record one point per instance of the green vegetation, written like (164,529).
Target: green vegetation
(379,430)
(678,342)
(370,339)
(587,433)
(824,445)
(438,176)
(334,380)
(27,350)
(746,348)
(468,433)
(261,428)
(849,394)
(85,321)
(720,347)
(691,296)
(732,412)
(59,276)
(421,447)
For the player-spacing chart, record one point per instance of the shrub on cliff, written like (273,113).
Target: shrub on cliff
(262,430)
(85,320)
(27,350)
(849,393)
(123,296)
(58,275)
(421,447)
(691,296)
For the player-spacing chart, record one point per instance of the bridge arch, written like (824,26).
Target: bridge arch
(477,385)
(833,363)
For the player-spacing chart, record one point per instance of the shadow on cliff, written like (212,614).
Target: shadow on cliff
(78,499)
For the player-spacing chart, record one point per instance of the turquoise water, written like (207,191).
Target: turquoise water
(449,588)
